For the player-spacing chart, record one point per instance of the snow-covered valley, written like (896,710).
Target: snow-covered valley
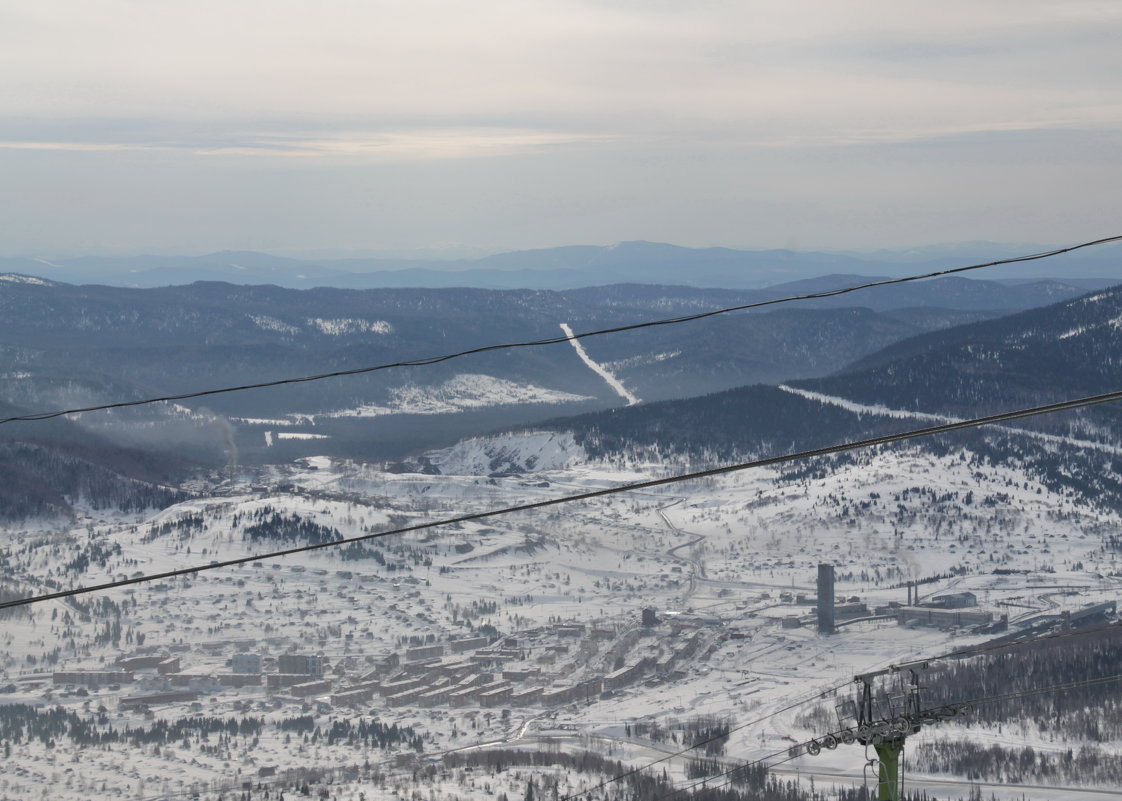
(548,603)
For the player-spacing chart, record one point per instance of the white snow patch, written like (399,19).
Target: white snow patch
(540,450)
(616,385)
(267,323)
(465,391)
(349,325)
(299,435)
(1075,332)
(646,358)
(12,278)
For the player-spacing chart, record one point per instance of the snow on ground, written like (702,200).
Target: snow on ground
(461,393)
(465,391)
(642,359)
(531,452)
(349,325)
(12,278)
(267,323)
(732,551)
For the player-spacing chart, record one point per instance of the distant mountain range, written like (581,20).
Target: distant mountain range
(559,268)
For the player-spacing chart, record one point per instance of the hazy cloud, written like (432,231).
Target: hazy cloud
(691,113)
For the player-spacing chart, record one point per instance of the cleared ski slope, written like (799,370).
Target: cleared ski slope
(599,369)
(903,414)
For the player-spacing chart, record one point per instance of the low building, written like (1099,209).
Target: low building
(310,688)
(495,697)
(940,618)
(199,682)
(248,663)
(476,680)
(524,698)
(279,681)
(849,611)
(239,679)
(354,696)
(462,698)
(457,667)
(585,691)
(155,699)
(528,674)
(93,678)
(419,668)
(140,662)
(308,665)
(495,657)
(403,699)
(433,697)
(424,652)
(404,685)
(955,600)
(468,644)
(486,688)
(626,675)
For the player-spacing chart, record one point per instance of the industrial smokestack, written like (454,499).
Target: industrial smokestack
(826,599)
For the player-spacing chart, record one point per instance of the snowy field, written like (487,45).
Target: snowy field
(721,560)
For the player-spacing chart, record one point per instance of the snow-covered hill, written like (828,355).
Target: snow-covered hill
(731,552)
(513,453)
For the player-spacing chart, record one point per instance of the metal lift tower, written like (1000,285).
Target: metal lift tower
(883,723)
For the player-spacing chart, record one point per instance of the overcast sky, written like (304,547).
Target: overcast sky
(277,125)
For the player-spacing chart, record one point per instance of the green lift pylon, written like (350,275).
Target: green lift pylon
(885,727)
(887,734)
(889,785)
